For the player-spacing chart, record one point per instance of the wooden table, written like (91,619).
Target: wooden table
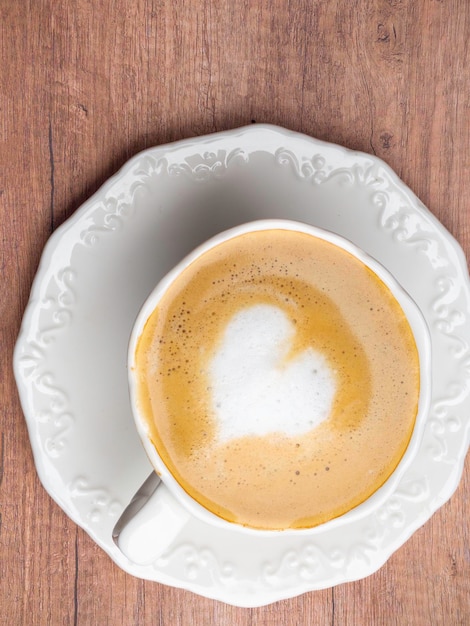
(86,84)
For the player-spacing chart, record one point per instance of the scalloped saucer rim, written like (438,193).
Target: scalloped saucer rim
(358,189)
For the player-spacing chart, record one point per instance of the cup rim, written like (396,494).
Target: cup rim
(413,315)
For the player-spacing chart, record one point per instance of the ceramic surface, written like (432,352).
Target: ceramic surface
(99,267)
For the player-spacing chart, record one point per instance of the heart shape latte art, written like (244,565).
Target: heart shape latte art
(257,389)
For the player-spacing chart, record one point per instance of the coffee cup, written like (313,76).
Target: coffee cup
(279,380)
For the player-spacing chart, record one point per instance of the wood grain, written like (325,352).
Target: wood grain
(85,85)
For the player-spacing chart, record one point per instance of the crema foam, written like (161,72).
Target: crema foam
(279,380)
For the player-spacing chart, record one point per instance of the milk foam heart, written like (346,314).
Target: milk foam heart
(257,389)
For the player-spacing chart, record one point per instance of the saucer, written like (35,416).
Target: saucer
(100,265)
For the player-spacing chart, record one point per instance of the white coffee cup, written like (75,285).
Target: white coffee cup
(170,507)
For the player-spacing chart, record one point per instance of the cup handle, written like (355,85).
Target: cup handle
(146,534)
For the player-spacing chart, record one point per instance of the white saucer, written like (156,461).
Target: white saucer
(98,268)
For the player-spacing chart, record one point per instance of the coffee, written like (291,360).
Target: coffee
(279,379)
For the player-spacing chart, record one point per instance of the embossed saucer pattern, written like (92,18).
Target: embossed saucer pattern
(100,265)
